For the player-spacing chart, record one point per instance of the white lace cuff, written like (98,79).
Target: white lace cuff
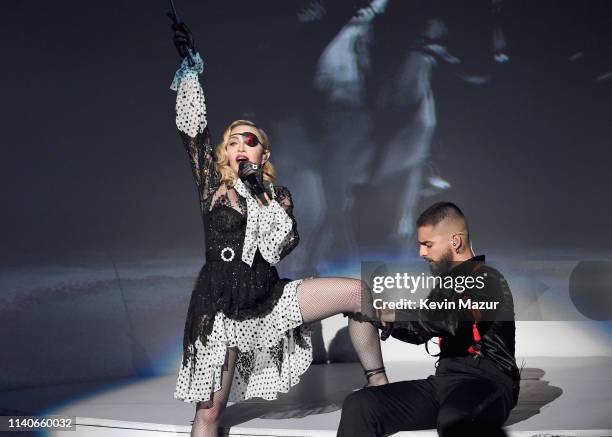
(274,231)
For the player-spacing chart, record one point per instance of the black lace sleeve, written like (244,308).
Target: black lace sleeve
(192,125)
(201,156)
(283,197)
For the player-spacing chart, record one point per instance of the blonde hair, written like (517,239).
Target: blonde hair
(223,167)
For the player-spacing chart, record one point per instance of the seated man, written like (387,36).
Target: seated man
(476,382)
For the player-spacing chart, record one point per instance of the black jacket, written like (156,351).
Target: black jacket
(455,327)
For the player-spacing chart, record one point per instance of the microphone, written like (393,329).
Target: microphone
(248,173)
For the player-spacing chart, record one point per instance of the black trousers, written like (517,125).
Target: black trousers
(462,399)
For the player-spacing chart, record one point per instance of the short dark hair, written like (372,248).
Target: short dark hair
(438,212)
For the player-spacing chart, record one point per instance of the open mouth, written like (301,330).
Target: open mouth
(241,158)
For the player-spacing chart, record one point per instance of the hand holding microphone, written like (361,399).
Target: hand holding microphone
(251,175)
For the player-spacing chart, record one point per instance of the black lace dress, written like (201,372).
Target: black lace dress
(238,300)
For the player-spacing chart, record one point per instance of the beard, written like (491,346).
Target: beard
(442,265)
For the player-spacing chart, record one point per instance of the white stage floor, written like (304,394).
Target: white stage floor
(572,396)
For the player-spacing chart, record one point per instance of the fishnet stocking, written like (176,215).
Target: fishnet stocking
(208,414)
(320,298)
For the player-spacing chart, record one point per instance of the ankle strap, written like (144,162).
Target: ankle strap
(372,372)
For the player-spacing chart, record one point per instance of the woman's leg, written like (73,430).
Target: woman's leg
(208,415)
(320,298)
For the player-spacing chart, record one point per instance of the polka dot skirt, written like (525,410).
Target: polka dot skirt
(270,359)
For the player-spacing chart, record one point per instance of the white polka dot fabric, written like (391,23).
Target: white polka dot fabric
(190,104)
(274,231)
(258,340)
(268,228)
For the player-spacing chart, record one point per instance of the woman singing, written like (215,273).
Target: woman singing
(246,333)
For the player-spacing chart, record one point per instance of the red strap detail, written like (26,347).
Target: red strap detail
(476,333)
(472,350)
(475,349)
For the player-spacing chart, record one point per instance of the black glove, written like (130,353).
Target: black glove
(385,332)
(183,39)
(251,175)
(402,331)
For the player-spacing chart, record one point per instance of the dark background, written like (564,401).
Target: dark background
(91,159)
(102,234)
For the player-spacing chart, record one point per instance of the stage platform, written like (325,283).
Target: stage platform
(559,396)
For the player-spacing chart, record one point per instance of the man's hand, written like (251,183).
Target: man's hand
(387,316)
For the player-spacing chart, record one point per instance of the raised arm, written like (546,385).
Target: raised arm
(192,125)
